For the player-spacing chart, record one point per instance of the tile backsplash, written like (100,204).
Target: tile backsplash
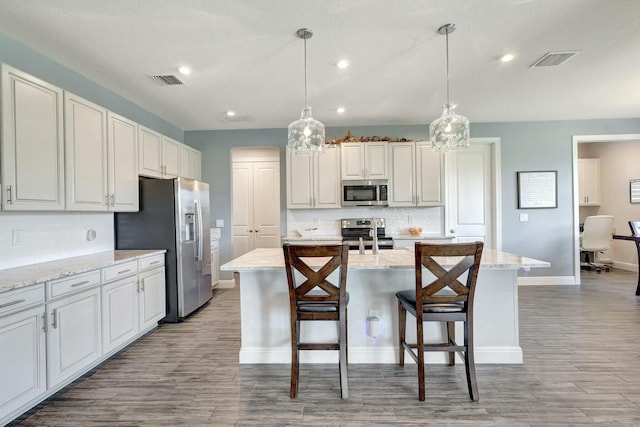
(398,220)
(32,237)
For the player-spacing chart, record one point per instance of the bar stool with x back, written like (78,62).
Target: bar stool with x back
(317,299)
(445,299)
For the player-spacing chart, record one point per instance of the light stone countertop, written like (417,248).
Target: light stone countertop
(424,236)
(20,277)
(312,237)
(273,259)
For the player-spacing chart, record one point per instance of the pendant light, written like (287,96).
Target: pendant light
(305,134)
(449,132)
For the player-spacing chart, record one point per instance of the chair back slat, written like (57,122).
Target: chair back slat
(316,287)
(467,258)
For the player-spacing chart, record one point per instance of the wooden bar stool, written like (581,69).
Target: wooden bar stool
(445,299)
(317,299)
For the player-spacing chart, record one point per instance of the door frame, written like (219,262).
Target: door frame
(578,139)
(496,187)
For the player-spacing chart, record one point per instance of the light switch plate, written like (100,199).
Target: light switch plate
(524,217)
(219,223)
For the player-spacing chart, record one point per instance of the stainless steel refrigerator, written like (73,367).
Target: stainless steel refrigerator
(173,215)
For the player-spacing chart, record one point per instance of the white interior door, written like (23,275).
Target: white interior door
(266,204)
(470,194)
(242,214)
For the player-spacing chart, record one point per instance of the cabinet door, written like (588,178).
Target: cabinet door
(402,190)
(186,162)
(32,143)
(326,179)
(122,137)
(376,166)
(352,160)
(429,175)
(589,182)
(119,313)
(149,153)
(85,128)
(299,180)
(215,262)
(170,157)
(152,298)
(197,165)
(74,340)
(22,359)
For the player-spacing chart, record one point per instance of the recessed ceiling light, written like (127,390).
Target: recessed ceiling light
(184,70)
(507,57)
(340,110)
(343,63)
(230,113)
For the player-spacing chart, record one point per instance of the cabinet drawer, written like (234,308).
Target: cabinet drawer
(60,287)
(151,262)
(13,301)
(121,270)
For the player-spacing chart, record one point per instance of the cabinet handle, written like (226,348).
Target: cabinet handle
(54,322)
(106,200)
(124,271)
(44,322)
(113,199)
(142,284)
(250,231)
(9,200)
(154,262)
(18,301)
(80,283)
(257,231)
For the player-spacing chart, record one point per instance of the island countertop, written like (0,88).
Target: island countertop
(273,258)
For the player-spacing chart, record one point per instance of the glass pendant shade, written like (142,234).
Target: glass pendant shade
(450,131)
(306,133)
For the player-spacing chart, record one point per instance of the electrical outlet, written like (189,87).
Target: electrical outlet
(410,220)
(16,237)
(219,223)
(373,313)
(524,217)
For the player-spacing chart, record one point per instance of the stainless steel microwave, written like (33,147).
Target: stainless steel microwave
(365,193)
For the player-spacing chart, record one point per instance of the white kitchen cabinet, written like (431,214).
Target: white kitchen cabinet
(313,180)
(22,350)
(364,160)
(74,335)
(122,162)
(589,182)
(215,262)
(32,143)
(85,125)
(256,205)
(400,243)
(189,162)
(119,313)
(158,155)
(416,175)
(152,298)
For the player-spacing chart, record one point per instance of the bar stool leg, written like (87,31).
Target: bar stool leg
(451,337)
(402,325)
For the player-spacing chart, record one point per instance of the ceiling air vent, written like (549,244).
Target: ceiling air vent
(552,59)
(236,118)
(167,80)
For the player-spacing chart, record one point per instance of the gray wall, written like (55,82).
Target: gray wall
(30,61)
(525,146)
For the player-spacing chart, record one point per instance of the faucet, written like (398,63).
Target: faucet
(374,233)
(361,247)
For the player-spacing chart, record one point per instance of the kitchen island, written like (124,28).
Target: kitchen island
(372,282)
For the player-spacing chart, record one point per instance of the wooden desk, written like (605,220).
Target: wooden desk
(635,239)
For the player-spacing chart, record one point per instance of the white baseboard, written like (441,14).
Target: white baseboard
(547,280)
(382,355)
(625,266)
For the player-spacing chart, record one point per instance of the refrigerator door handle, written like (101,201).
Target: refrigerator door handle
(198,237)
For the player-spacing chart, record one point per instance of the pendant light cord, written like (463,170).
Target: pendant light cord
(447,45)
(305,71)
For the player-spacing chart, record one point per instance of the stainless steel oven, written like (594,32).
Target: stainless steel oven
(365,193)
(354,229)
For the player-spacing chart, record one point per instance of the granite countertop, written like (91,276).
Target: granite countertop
(423,236)
(19,277)
(293,237)
(273,259)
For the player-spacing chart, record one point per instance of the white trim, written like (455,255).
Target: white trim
(548,280)
(381,355)
(576,139)
(627,266)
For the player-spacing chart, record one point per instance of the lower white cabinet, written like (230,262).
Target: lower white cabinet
(119,313)
(74,335)
(215,262)
(410,243)
(22,360)
(152,298)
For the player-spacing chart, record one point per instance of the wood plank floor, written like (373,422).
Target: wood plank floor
(582,367)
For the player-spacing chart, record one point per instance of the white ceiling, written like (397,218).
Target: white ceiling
(246,57)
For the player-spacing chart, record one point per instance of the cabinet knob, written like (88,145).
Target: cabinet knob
(452,231)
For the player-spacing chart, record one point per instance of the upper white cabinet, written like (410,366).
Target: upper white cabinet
(190,162)
(159,156)
(364,160)
(416,175)
(32,143)
(122,150)
(589,182)
(85,126)
(313,180)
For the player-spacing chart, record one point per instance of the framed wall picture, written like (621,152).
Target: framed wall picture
(634,191)
(537,189)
